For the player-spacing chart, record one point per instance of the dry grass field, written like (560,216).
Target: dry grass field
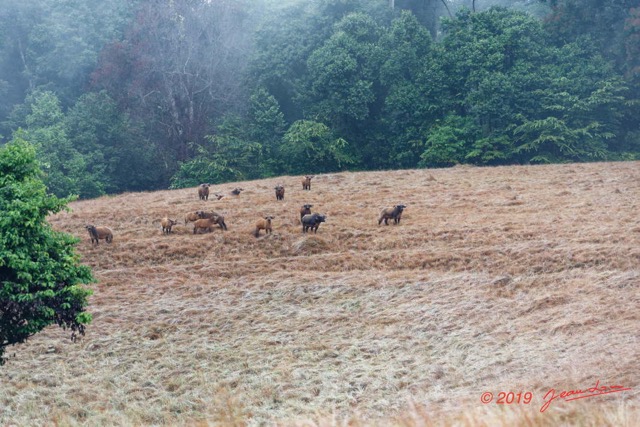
(520,279)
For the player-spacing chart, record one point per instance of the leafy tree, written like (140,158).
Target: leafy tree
(310,146)
(406,45)
(266,127)
(116,153)
(40,274)
(531,101)
(65,167)
(427,12)
(283,44)
(204,167)
(287,39)
(535,8)
(580,108)
(15,20)
(241,148)
(196,89)
(448,142)
(53,45)
(344,87)
(577,128)
(229,155)
(613,26)
(342,72)
(411,85)
(602,20)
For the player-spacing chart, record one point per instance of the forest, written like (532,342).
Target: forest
(133,95)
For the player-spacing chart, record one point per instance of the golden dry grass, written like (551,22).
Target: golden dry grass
(498,279)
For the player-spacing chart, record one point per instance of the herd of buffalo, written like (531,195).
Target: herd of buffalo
(206,221)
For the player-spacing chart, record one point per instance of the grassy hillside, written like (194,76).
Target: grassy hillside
(515,279)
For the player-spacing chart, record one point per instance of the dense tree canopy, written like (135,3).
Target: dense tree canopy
(143,95)
(40,274)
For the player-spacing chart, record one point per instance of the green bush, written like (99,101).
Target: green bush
(40,274)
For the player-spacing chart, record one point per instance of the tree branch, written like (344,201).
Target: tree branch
(444,2)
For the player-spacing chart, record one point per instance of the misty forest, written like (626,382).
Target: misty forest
(130,95)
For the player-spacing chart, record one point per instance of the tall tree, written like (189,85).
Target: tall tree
(613,25)
(65,169)
(412,98)
(288,37)
(114,147)
(427,12)
(565,103)
(310,146)
(54,45)
(632,44)
(266,127)
(179,67)
(343,82)
(603,20)
(17,19)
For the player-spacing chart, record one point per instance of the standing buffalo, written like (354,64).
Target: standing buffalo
(203,191)
(167,224)
(312,222)
(263,224)
(305,210)
(394,213)
(97,233)
(306,182)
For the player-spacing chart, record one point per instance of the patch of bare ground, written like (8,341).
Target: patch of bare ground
(520,279)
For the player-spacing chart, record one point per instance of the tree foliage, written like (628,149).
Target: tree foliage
(54,45)
(65,168)
(118,156)
(40,274)
(178,68)
(229,155)
(312,147)
(157,93)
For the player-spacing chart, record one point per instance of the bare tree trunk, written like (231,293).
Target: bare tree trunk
(444,2)
(473,5)
(25,65)
(392,4)
(192,75)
